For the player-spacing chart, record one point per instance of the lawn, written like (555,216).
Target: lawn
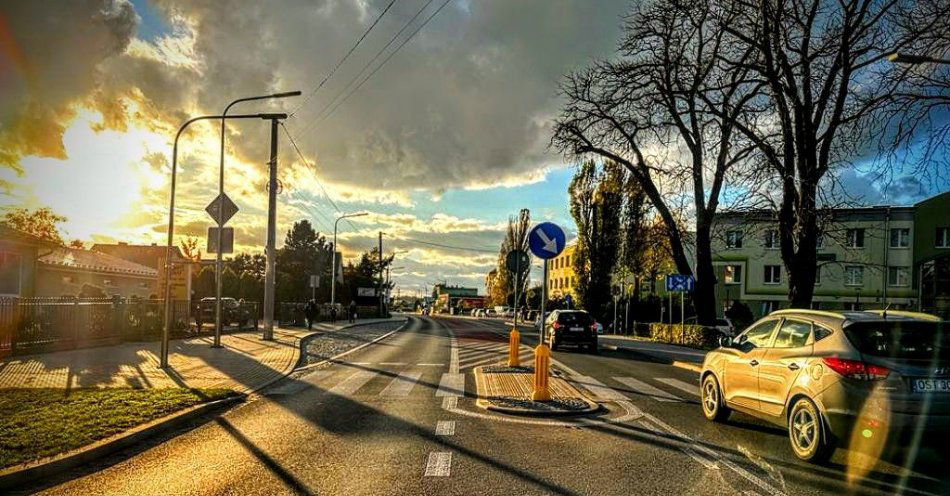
(36,423)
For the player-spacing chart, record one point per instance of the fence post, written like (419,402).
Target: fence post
(75,327)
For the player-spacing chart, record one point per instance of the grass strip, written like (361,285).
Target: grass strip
(41,422)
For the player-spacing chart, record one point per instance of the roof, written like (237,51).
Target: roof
(147,255)
(74,258)
(8,233)
(860,316)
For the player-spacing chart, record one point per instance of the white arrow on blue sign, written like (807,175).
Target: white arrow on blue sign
(679,283)
(546,240)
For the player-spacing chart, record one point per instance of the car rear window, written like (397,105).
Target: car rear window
(900,339)
(575,318)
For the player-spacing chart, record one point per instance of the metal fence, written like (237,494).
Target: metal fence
(292,313)
(34,325)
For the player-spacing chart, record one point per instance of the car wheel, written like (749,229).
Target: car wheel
(714,408)
(809,440)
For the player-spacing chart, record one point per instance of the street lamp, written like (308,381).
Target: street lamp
(163,359)
(905,58)
(219,255)
(333,255)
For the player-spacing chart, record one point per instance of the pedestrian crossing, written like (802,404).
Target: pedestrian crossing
(478,353)
(421,380)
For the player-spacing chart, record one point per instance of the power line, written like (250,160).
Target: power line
(318,119)
(450,247)
(368,64)
(342,60)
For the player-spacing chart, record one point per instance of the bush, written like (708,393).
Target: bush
(688,335)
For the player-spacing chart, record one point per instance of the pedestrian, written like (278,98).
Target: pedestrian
(352,311)
(333,314)
(310,312)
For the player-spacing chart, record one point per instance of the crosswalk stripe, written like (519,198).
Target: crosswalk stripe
(692,389)
(445,428)
(643,388)
(402,384)
(600,390)
(439,464)
(354,382)
(451,385)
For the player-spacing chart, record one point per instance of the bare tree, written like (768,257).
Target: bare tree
(516,238)
(827,83)
(666,110)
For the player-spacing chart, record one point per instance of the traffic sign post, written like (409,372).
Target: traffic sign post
(515,261)
(546,240)
(682,284)
(221,209)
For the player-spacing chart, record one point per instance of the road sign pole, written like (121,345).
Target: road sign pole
(514,337)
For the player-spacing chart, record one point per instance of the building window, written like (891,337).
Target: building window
(733,239)
(9,274)
(771,239)
(855,238)
(733,274)
(900,238)
(943,237)
(568,260)
(773,274)
(898,276)
(769,307)
(854,275)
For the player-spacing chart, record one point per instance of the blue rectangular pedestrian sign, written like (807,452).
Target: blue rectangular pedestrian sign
(679,283)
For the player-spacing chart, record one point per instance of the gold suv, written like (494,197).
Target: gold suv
(861,379)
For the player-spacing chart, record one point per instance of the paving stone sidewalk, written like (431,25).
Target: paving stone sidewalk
(245,363)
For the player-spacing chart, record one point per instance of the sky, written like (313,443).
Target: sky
(440,145)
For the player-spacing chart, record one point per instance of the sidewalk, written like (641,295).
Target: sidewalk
(245,363)
(662,351)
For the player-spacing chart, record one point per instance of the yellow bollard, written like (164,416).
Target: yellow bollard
(514,345)
(542,364)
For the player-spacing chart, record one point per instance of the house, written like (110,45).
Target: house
(64,271)
(18,254)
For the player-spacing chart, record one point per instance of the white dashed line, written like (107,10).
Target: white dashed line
(439,464)
(692,389)
(393,363)
(451,385)
(445,428)
(430,364)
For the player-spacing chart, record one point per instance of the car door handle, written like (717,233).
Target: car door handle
(793,366)
(754,363)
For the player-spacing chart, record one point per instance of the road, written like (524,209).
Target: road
(398,417)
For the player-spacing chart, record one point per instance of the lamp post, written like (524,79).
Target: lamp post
(333,255)
(905,58)
(219,255)
(163,358)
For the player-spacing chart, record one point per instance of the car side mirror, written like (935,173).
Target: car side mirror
(725,341)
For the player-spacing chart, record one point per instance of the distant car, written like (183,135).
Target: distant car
(491,313)
(864,379)
(231,311)
(723,325)
(571,327)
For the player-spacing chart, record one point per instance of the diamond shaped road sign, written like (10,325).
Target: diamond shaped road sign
(223,206)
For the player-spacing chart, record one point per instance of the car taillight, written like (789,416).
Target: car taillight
(856,369)
(593,327)
(556,325)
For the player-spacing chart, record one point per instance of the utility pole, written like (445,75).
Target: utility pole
(379,290)
(270,274)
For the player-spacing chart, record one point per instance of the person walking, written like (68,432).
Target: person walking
(310,312)
(333,314)
(352,311)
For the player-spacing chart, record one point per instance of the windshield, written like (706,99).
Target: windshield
(912,340)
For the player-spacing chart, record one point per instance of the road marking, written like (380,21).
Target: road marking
(439,464)
(643,388)
(402,384)
(601,391)
(392,363)
(692,389)
(352,383)
(451,385)
(454,359)
(706,462)
(450,403)
(445,428)
(430,364)
(361,363)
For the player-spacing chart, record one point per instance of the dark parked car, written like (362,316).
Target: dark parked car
(571,327)
(231,311)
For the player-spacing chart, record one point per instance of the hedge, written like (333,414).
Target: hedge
(688,335)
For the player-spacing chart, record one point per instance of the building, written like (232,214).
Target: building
(18,261)
(451,299)
(562,280)
(867,258)
(66,271)
(153,256)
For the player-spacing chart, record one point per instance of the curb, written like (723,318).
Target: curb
(482,402)
(695,367)
(687,366)
(19,475)
(299,368)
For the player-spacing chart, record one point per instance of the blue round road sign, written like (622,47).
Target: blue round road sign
(546,240)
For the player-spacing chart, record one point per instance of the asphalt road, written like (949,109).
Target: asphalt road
(398,417)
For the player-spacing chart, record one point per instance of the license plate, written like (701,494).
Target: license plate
(930,385)
(577,329)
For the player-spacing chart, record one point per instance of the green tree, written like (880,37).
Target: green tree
(305,253)
(204,284)
(516,238)
(42,223)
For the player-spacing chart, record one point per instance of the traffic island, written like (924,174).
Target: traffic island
(508,390)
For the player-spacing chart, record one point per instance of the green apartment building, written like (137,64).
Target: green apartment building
(868,258)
